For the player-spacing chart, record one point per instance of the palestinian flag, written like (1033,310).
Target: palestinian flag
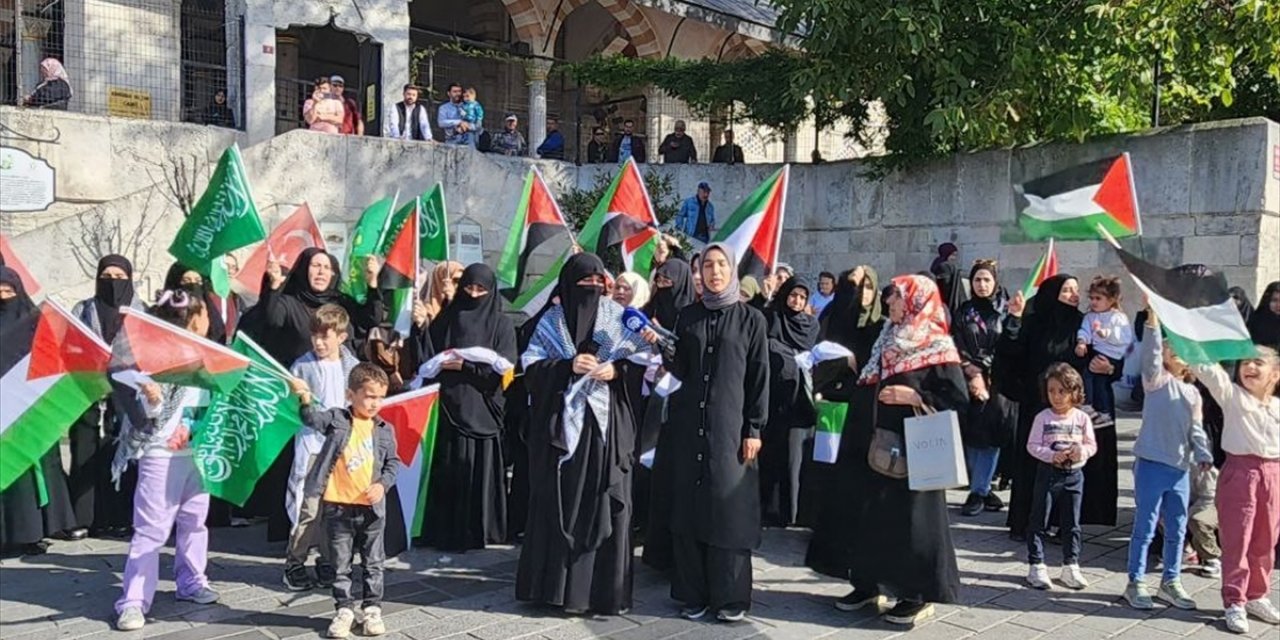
(44,389)
(9,258)
(624,211)
(151,348)
(829,430)
(754,231)
(287,241)
(538,219)
(413,416)
(638,250)
(1071,204)
(1198,316)
(1046,267)
(535,296)
(401,267)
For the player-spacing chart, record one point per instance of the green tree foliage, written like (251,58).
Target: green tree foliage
(973,74)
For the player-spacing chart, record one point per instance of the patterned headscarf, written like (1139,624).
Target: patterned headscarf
(433,296)
(921,339)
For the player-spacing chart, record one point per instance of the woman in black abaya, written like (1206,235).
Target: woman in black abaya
(577,549)
(1027,346)
(468,505)
(180,276)
(673,290)
(281,324)
(853,318)
(100,507)
(791,416)
(901,539)
(36,505)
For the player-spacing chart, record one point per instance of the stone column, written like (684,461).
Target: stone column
(536,71)
(654,131)
(791,147)
(30,52)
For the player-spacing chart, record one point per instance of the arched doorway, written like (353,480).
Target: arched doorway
(306,53)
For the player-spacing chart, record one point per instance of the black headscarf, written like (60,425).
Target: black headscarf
(667,302)
(951,286)
(18,307)
(1264,324)
(580,303)
(298,282)
(1243,305)
(845,314)
(978,323)
(173,282)
(994,304)
(110,294)
(1051,324)
(945,251)
(796,329)
(470,321)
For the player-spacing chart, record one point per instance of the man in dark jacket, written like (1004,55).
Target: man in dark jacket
(677,148)
(628,145)
(728,153)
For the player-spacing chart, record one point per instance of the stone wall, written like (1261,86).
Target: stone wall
(1208,193)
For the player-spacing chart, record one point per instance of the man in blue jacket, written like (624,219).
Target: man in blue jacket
(697,216)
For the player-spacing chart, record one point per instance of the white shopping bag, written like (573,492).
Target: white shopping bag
(935,452)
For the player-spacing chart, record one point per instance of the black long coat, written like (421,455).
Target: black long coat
(722,360)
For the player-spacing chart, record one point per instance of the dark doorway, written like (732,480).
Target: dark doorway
(306,53)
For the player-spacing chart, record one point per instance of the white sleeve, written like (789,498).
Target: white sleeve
(424,121)
(393,123)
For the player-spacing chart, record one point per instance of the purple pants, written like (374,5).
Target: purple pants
(169,492)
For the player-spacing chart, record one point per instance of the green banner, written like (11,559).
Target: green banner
(244,430)
(367,241)
(433,227)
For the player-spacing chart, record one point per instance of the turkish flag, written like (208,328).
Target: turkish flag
(297,233)
(10,259)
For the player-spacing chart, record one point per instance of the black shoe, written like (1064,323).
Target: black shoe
(296,578)
(908,613)
(1018,536)
(993,502)
(693,613)
(1003,485)
(119,533)
(858,599)
(36,549)
(325,574)
(972,506)
(72,534)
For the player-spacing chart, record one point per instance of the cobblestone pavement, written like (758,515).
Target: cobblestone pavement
(69,592)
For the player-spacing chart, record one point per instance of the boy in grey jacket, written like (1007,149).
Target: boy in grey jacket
(353,471)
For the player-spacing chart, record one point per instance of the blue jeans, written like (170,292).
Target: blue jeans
(1098,391)
(982,467)
(1160,491)
(1062,488)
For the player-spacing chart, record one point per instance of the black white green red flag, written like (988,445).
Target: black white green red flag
(1046,267)
(1200,320)
(413,416)
(638,250)
(538,219)
(754,230)
(624,211)
(149,348)
(401,265)
(1071,204)
(45,389)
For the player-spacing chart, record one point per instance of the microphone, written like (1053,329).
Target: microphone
(636,322)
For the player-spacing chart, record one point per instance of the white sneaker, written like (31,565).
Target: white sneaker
(373,624)
(1237,619)
(1211,569)
(1263,610)
(341,625)
(1038,577)
(131,619)
(1072,578)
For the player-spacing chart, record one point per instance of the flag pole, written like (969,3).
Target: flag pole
(1108,237)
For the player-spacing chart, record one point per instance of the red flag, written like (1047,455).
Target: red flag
(297,233)
(169,354)
(9,258)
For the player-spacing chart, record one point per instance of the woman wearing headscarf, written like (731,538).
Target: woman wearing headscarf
(951,285)
(751,293)
(99,506)
(631,290)
(791,416)
(36,505)
(901,541)
(989,421)
(947,252)
(1264,324)
(54,90)
(1025,349)
(854,320)
(1241,299)
(577,549)
(281,324)
(722,359)
(180,276)
(468,508)
(673,291)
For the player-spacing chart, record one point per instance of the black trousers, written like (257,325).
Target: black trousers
(709,576)
(353,528)
(1064,490)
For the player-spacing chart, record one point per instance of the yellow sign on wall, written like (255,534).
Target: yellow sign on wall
(128,103)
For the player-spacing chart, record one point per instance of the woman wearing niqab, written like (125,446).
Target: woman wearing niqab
(791,415)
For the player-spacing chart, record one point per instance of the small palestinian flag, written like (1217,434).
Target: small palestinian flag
(413,416)
(638,250)
(535,296)
(829,429)
(1198,316)
(401,267)
(754,231)
(46,388)
(1071,204)
(1046,267)
(624,211)
(287,241)
(152,348)
(9,258)
(538,219)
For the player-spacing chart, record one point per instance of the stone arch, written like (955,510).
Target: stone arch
(527,20)
(633,21)
(532,24)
